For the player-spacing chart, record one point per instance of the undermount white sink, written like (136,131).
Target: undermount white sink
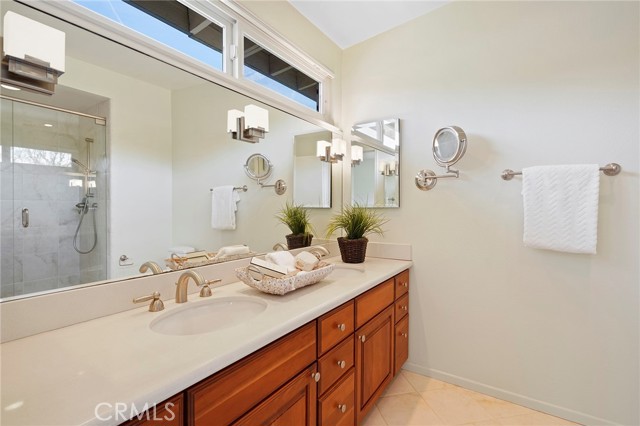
(207,316)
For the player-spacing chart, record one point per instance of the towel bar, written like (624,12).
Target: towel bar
(610,169)
(243,188)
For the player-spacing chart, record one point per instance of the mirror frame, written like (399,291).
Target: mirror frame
(252,175)
(461,138)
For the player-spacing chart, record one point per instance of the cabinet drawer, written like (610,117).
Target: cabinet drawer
(229,394)
(337,408)
(402,283)
(402,344)
(371,303)
(402,307)
(334,326)
(334,364)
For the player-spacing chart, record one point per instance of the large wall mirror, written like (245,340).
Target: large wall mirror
(311,176)
(105,196)
(375,172)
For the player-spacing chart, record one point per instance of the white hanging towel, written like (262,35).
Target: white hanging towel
(223,207)
(561,207)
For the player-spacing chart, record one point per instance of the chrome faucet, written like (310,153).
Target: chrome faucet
(181,285)
(150,265)
(280,246)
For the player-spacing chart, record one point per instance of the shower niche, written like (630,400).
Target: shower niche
(53,196)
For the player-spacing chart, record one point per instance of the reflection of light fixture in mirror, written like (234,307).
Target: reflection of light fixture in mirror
(389,169)
(449,145)
(331,152)
(248,126)
(357,155)
(9,87)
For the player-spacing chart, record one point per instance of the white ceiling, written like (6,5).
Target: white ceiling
(349,22)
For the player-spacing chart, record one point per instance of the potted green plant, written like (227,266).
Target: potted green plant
(296,217)
(357,222)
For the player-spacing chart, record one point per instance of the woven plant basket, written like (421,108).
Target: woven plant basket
(295,241)
(353,251)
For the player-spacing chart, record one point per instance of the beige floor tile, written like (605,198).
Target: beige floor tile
(374,418)
(497,408)
(398,386)
(423,383)
(406,410)
(535,419)
(455,406)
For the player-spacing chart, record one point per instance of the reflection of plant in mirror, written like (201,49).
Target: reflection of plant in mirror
(296,217)
(357,222)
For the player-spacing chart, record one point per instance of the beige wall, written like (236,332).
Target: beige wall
(531,83)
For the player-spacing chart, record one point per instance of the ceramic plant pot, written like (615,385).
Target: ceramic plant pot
(353,251)
(295,241)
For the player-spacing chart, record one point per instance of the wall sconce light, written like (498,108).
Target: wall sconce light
(357,155)
(389,169)
(331,152)
(248,126)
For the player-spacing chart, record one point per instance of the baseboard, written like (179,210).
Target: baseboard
(534,404)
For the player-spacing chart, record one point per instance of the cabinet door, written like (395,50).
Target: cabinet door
(374,360)
(402,343)
(293,404)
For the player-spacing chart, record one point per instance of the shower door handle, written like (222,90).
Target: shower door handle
(25,218)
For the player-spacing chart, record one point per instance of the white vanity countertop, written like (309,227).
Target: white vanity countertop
(59,377)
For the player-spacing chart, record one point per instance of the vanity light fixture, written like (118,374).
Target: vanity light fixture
(388,169)
(9,87)
(248,126)
(357,155)
(331,152)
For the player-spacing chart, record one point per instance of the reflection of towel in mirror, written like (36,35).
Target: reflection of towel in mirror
(223,207)
(282,258)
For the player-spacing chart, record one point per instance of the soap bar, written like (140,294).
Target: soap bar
(306,261)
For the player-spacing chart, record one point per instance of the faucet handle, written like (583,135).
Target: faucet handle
(205,291)
(156,304)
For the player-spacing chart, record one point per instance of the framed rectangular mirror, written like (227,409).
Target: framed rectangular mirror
(375,172)
(311,176)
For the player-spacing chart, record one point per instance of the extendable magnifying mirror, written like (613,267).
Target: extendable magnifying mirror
(259,168)
(449,146)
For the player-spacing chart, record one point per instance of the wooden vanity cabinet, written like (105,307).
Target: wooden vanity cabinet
(166,413)
(356,348)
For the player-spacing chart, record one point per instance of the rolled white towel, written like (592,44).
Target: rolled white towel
(305,261)
(231,251)
(282,258)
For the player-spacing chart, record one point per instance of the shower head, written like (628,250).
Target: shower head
(84,168)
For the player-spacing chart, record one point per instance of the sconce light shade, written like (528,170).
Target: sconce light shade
(321,149)
(338,148)
(256,117)
(248,126)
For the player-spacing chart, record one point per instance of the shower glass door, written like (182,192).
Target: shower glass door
(53,199)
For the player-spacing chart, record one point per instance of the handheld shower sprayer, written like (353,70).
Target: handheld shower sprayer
(86,170)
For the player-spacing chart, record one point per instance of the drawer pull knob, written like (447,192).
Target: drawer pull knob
(316,377)
(342,364)
(404,308)
(404,284)
(342,408)
(405,335)
(363,338)
(342,327)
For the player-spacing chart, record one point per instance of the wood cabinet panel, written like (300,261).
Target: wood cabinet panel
(369,304)
(337,407)
(166,413)
(402,307)
(335,326)
(293,404)
(374,360)
(401,344)
(334,364)
(402,283)
(229,394)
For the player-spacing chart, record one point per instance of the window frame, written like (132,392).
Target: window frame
(237,22)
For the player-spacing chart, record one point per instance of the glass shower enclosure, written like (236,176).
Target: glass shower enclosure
(53,198)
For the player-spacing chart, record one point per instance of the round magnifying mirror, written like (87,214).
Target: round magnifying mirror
(449,145)
(258,167)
